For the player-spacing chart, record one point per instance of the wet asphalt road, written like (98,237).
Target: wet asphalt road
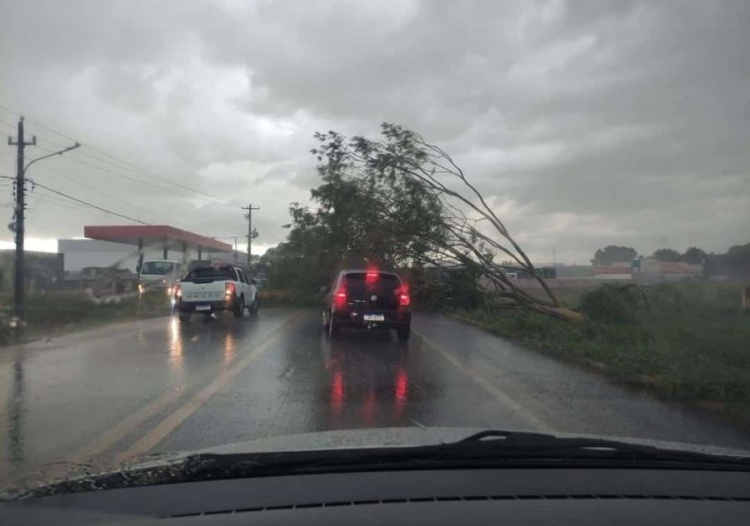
(112,394)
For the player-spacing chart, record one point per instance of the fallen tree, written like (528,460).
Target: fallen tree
(469,233)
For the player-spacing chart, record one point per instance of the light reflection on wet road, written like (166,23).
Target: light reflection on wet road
(153,386)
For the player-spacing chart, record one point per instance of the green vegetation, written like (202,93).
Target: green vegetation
(288,298)
(54,312)
(365,214)
(688,341)
(400,203)
(613,254)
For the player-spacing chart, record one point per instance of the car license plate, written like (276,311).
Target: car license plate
(202,307)
(374,317)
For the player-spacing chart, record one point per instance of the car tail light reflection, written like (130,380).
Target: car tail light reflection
(230,289)
(402,387)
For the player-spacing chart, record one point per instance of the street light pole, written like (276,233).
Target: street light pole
(19,224)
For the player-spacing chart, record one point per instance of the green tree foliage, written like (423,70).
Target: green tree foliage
(667,255)
(398,201)
(613,254)
(738,259)
(694,256)
(735,263)
(361,218)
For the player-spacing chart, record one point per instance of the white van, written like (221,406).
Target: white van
(159,274)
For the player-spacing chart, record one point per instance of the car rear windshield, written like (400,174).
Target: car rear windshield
(211,272)
(360,283)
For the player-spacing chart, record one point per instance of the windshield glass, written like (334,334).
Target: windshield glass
(231,223)
(158,267)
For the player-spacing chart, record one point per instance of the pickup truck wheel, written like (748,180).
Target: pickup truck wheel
(253,308)
(184,317)
(240,309)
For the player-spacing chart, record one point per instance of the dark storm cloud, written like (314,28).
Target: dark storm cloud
(587,122)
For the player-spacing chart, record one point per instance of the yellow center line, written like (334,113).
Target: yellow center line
(135,421)
(161,430)
(490,387)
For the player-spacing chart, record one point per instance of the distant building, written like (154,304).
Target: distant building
(81,253)
(618,272)
(575,271)
(43,269)
(653,270)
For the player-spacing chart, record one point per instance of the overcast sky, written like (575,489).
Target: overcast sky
(588,123)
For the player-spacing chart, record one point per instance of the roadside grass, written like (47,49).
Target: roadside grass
(57,312)
(288,298)
(686,341)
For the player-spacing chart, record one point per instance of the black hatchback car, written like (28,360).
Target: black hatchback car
(368,299)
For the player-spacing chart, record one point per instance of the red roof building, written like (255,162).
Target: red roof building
(167,237)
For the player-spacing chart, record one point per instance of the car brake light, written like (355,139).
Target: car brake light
(340,298)
(230,289)
(403,297)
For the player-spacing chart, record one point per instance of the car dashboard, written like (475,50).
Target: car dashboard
(466,496)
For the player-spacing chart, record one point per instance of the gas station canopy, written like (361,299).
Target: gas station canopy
(162,236)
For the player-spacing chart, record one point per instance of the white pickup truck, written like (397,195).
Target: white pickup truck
(217,288)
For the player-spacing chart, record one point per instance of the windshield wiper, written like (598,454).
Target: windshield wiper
(486,449)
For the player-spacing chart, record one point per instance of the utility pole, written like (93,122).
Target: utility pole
(19,224)
(250,233)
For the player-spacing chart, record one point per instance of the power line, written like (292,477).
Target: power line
(43,195)
(53,200)
(128,177)
(167,186)
(105,194)
(131,166)
(54,143)
(8,123)
(90,204)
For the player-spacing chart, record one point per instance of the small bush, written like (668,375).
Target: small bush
(612,303)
